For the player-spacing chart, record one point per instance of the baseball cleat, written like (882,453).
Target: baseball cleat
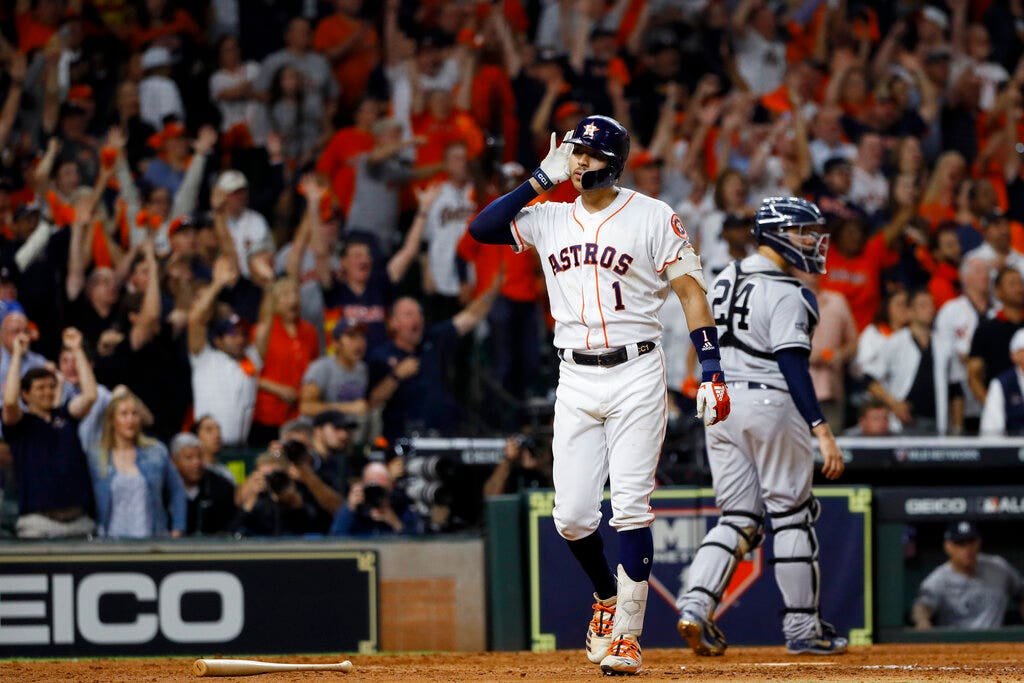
(599,630)
(623,658)
(703,637)
(825,645)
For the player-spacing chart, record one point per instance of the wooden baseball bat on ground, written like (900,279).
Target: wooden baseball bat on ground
(250,667)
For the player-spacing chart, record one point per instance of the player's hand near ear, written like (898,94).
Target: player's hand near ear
(555,167)
(713,402)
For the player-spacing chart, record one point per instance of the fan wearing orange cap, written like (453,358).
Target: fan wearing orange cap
(167,170)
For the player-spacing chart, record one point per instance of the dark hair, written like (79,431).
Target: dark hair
(146,19)
(943,228)
(872,404)
(1003,272)
(882,316)
(916,292)
(276,94)
(353,241)
(32,375)
(131,303)
(199,420)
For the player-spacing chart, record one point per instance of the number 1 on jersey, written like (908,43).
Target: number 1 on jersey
(617,286)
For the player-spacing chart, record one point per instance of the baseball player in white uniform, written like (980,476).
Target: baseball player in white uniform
(761,458)
(610,259)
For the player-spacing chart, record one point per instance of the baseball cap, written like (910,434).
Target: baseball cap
(226,325)
(567,109)
(155,57)
(348,326)
(551,55)
(335,418)
(642,159)
(436,38)
(26,210)
(182,441)
(936,16)
(734,220)
(80,93)
(185,222)
(835,163)
(232,181)
(938,54)
(962,532)
(993,216)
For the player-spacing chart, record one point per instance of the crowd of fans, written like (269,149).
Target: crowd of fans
(242,224)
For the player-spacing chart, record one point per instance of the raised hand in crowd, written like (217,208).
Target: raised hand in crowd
(205,140)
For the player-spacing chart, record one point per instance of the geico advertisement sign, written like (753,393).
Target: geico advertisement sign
(43,609)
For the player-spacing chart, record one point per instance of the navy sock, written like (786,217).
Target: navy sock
(589,552)
(636,552)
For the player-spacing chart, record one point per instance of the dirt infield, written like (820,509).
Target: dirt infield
(987,662)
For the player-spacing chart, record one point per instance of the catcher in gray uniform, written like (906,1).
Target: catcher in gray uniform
(762,458)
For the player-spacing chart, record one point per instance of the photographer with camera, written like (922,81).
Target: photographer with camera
(271,504)
(375,507)
(520,470)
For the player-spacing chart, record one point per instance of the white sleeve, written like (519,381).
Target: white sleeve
(993,415)
(528,225)
(670,243)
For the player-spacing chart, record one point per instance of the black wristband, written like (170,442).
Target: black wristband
(541,177)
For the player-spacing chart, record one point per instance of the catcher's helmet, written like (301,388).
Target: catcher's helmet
(785,224)
(609,139)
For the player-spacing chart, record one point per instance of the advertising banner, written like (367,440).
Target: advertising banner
(108,604)
(561,594)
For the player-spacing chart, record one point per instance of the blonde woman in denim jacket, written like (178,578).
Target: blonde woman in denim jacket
(132,475)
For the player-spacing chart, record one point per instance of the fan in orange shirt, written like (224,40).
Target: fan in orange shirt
(855,263)
(287,344)
(938,203)
(338,159)
(441,123)
(351,45)
(37,25)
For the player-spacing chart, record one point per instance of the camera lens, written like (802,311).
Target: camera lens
(430,467)
(427,492)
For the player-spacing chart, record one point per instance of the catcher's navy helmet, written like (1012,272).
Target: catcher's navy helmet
(785,224)
(609,139)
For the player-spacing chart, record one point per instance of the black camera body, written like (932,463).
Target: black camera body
(277,481)
(375,495)
(295,451)
(526,442)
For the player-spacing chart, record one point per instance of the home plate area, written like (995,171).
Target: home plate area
(973,662)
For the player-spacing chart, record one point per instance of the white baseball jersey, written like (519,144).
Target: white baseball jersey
(954,326)
(605,271)
(446,222)
(786,313)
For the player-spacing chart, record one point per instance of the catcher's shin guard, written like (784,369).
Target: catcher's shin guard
(796,569)
(737,533)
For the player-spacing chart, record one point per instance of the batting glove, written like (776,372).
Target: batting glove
(555,167)
(713,401)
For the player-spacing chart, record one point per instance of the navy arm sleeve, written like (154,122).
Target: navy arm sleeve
(491,226)
(796,369)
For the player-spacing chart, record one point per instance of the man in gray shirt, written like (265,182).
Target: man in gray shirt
(315,69)
(970,591)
